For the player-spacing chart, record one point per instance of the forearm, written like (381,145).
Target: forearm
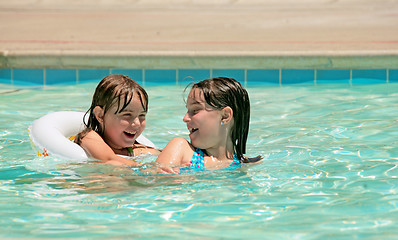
(176,153)
(121,161)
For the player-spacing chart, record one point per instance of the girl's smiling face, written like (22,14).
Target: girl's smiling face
(122,128)
(203,122)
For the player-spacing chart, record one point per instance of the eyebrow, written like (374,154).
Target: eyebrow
(127,110)
(194,102)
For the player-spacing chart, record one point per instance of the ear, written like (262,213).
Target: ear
(227,115)
(99,114)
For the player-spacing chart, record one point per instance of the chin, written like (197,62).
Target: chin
(193,143)
(197,145)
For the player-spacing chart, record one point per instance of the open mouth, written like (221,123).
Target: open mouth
(192,130)
(130,134)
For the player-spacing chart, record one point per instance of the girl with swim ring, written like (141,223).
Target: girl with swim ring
(115,119)
(218,114)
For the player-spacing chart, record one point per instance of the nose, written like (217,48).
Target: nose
(135,122)
(186,118)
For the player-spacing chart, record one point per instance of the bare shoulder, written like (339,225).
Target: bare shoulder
(91,136)
(96,147)
(176,152)
(179,141)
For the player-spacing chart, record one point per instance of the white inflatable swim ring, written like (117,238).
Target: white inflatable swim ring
(50,135)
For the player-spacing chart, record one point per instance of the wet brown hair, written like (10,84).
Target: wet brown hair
(113,89)
(221,92)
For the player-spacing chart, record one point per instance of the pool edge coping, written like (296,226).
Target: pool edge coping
(199,59)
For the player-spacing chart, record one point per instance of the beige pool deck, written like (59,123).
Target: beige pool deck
(199,33)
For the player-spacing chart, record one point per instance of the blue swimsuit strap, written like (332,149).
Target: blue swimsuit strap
(198,161)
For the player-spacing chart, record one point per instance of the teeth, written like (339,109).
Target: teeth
(132,133)
(191,130)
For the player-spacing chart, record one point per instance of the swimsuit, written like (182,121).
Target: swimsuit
(198,161)
(131,151)
(198,164)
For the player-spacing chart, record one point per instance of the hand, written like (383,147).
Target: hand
(167,170)
(123,162)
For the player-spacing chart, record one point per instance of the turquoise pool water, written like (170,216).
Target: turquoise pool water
(329,171)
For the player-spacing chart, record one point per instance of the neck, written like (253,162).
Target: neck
(222,152)
(127,151)
(225,148)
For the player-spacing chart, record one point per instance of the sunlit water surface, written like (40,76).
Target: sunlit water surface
(329,171)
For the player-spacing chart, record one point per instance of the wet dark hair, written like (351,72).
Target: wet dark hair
(113,89)
(221,92)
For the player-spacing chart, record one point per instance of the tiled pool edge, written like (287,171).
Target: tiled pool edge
(199,61)
(70,69)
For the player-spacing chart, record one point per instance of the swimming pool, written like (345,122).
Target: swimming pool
(329,171)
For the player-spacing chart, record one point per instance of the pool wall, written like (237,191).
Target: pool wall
(147,70)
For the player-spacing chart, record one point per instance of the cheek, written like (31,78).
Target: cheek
(123,122)
(212,120)
(209,126)
(143,125)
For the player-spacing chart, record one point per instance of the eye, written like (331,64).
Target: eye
(126,115)
(193,111)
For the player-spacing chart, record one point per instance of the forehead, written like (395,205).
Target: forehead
(196,96)
(135,103)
